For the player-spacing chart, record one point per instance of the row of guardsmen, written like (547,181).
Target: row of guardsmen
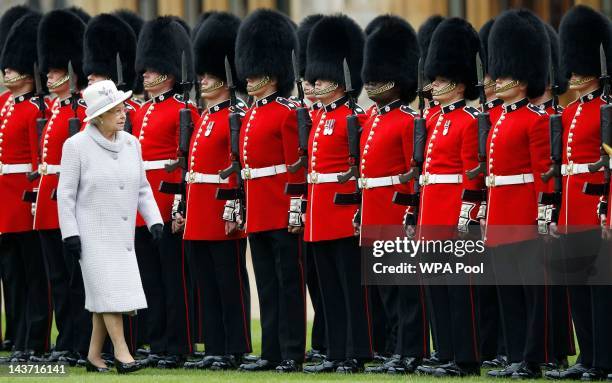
(301,177)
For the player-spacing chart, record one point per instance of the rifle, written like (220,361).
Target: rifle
(419,136)
(354,135)
(185,131)
(235,167)
(74,124)
(556,147)
(484,124)
(304,124)
(605,122)
(128,123)
(41,121)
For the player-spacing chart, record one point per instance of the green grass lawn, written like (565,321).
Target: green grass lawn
(156,375)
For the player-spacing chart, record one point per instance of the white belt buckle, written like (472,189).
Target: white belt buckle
(425,179)
(43,169)
(246,173)
(363,183)
(491,180)
(314,177)
(191,178)
(570,169)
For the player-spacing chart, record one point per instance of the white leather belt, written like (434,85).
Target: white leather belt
(430,179)
(158,164)
(46,169)
(15,168)
(493,180)
(376,182)
(201,178)
(323,178)
(571,168)
(249,174)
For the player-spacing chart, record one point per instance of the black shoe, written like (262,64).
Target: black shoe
(505,372)
(249,358)
(144,352)
(54,357)
(557,364)
(7,345)
(226,362)
(407,365)
(573,373)
(90,367)
(391,362)
(454,370)
(314,355)
(202,364)
(108,358)
(501,361)
(528,371)
(126,368)
(350,366)
(151,360)
(21,356)
(171,361)
(288,366)
(82,362)
(40,358)
(260,365)
(199,354)
(70,359)
(322,367)
(594,374)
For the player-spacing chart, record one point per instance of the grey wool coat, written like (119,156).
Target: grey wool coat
(101,186)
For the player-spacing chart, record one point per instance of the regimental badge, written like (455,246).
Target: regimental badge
(209,127)
(446,126)
(329,127)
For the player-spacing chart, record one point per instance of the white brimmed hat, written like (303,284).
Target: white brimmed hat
(101,97)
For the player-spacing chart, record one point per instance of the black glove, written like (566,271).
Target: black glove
(73,246)
(157,231)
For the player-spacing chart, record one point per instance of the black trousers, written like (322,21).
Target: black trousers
(347,316)
(218,268)
(379,323)
(7,297)
(525,309)
(388,297)
(491,335)
(27,288)
(317,339)
(439,317)
(163,274)
(279,274)
(412,323)
(602,332)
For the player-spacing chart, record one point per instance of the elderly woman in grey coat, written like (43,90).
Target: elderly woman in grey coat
(101,187)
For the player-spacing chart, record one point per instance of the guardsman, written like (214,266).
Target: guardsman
(216,258)
(268,142)
(60,43)
(424,35)
(6,21)
(390,76)
(452,149)
(110,46)
(580,63)
(318,337)
(329,226)
(560,330)
(518,154)
(162,43)
(25,279)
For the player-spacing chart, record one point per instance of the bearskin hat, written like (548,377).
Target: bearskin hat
(80,12)
(132,19)
(483,33)
(519,49)
(160,47)
(303,32)
(452,54)
(182,23)
(263,47)
(581,32)
(425,32)
(105,36)
(331,40)
(8,19)
(60,40)
(215,40)
(19,52)
(201,19)
(553,38)
(392,54)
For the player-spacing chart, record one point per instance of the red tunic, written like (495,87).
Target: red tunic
(157,127)
(210,145)
(18,145)
(268,137)
(328,153)
(581,142)
(452,149)
(386,150)
(518,143)
(495,109)
(54,135)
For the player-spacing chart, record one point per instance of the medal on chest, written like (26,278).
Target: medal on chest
(328,128)
(446,126)
(209,128)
